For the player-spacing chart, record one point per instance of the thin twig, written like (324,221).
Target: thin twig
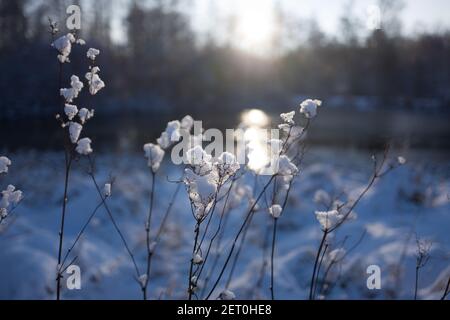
(147,234)
(248,216)
(447,290)
(274,234)
(316,262)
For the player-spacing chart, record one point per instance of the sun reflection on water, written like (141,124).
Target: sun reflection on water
(254,123)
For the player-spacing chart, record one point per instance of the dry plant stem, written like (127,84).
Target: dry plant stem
(447,290)
(416,284)
(147,233)
(83,229)
(262,271)
(63,218)
(316,262)
(217,255)
(333,262)
(68,167)
(274,235)
(111,218)
(376,175)
(163,225)
(211,213)
(249,215)
(194,250)
(319,268)
(238,252)
(216,233)
(244,236)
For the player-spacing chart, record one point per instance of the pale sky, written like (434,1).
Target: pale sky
(213,14)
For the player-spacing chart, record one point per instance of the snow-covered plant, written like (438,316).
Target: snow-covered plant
(286,154)
(171,134)
(10,197)
(73,118)
(64,46)
(92,53)
(204,178)
(154,153)
(309,108)
(342,212)
(422,258)
(95,82)
(4,164)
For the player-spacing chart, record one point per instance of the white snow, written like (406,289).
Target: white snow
(75,131)
(288,118)
(4,164)
(388,213)
(107,190)
(84,146)
(197,259)
(85,114)
(309,108)
(92,53)
(71,111)
(154,154)
(275,211)
(171,134)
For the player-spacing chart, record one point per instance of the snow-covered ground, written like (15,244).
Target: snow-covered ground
(412,201)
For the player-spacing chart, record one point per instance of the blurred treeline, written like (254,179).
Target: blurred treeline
(161,66)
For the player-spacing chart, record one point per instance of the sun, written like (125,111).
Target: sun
(255,25)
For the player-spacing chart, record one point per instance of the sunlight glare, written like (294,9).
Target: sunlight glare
(255,118)
(255,25)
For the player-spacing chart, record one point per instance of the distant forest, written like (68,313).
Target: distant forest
(163,67)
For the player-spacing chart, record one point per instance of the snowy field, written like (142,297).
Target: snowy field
(412,202)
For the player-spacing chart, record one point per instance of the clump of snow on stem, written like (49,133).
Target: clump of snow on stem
(95,82)
(401,160)
(154,154)
(85,114)
(197,259)
(286,168)
(10,199)
(107,190)
(4,164)
(288,118)
(275,211)
(84,146)
(70,110)
(171,134)
(227,165)
(199,160)
(187,123)
(92,53)
(202,191)
(309,108)
(330,219)
(64,47)
(72,93)
(75,131)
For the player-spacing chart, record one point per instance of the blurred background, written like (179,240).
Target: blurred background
(382,67)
